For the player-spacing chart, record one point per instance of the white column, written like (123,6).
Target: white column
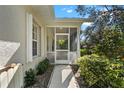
(29,37)
(78,43)
(42,42)
(55,42)
(45,42)
(69,46)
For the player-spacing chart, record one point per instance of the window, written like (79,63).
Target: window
(36,40)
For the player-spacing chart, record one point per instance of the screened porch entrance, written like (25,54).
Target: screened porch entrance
(62,44)
(62,48)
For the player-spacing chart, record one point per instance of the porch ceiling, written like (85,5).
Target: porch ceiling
(45,11)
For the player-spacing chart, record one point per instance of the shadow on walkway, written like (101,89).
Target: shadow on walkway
(63,77)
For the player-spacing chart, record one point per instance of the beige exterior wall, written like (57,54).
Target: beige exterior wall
(13,28)
(37,18)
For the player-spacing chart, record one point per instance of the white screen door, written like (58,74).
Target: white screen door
(62,48)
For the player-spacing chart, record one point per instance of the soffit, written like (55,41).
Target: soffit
(46,12)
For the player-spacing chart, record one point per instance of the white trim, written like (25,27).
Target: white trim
(54,39)
(62,50)
(67,50)
(62,33)
(69,45)
(29,37)
(55,43)
(64,26)
(50,52)
(77,20)
(42,42)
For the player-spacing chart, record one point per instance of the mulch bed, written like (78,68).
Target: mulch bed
(76,71)
(43,80)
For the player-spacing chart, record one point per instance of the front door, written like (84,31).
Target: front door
(62,48)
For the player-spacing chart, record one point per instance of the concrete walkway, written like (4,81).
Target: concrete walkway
(63,77)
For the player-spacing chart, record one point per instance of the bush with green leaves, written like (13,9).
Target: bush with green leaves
(112,42)
(83,51)
(29,78)
(99,71)
(109,42)
(42,66)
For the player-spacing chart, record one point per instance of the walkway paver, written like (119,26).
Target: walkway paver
(63,77)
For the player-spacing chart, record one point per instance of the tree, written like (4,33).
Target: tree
(104,39)
(111,43)
(103,17)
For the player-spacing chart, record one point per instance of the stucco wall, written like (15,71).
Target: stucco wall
(13,28)
(38,19)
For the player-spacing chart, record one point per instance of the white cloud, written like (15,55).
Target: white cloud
(63,9)
(103,9)
(69,11)
(87,23)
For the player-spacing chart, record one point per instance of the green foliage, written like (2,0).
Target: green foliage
(106,41)
(99,71)
(29,78)
(83,51)
(42,66)
(121,24)
(111,43)
(62,43)
(104,37)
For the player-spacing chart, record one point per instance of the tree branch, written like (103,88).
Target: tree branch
(107,8)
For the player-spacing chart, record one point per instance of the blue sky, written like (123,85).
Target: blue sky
(66,11)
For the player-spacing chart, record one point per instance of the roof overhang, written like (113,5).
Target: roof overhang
(46,12)
(66,22)
(69,20)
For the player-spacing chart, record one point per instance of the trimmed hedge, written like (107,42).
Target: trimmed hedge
(42,66)
(99,71)
(30,75)
(29,78)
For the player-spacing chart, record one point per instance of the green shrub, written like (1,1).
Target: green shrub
(83,51)
(112,42)
(29,78)
(99,71)
(42,66)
